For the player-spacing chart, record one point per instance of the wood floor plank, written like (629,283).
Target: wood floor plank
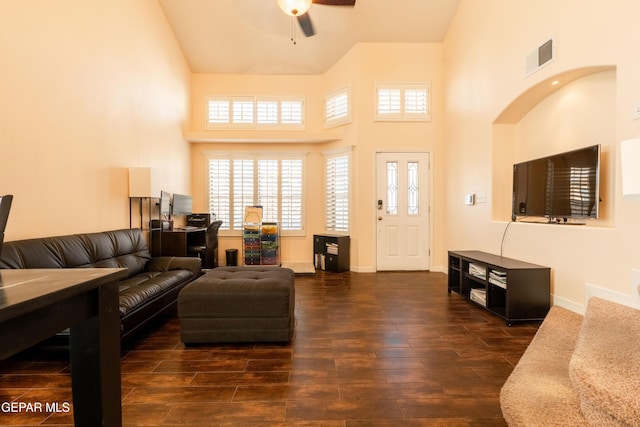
(369,350)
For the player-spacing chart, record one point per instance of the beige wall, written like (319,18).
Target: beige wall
(484,74)
(89,88)
(360,69)
(92,88)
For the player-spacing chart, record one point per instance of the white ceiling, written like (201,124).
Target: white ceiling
(254,36)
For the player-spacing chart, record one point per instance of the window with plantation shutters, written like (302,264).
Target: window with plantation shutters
(271,180)
(218,111)
(337,109)
(291,194)
(402,102)
(389,103)
(242,188)
(268,191)
(337,185)
(267,112)
(292,112)
(229,112)
(220,190)
(242,111)
(415,101)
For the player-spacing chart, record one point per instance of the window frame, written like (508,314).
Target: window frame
(255,157)
(330,101)
(330,155)
(403,114)
(254,102)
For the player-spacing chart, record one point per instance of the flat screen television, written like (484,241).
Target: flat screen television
(558,187)
(182,205)
(165,203)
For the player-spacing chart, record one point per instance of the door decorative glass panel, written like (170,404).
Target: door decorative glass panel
(413,188)
(392,188)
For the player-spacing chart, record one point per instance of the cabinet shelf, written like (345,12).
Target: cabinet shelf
(331,253)
(514,290)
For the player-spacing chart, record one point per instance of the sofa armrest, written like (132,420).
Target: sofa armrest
(168,263)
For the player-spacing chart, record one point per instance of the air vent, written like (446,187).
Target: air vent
(539,57)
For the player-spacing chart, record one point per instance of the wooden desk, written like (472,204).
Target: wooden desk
(37,303)
(176,242)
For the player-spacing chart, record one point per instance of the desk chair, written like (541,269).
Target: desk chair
(208,252)
(5,205)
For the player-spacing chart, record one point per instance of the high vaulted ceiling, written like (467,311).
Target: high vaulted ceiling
(254,36)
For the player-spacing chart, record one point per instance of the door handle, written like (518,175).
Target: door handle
(379,218)
(379,205)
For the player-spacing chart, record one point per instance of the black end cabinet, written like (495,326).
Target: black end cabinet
(331,253)
(512,289)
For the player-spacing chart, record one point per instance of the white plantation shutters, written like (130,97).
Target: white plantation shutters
(273,181)
(415,102)
(389,103)
(268,189)
(242,189)
(267,112)
(242,111)
(229,112)
(220,190)
(291,194)
(337,109)
(337,178)
(218,111)
(402,102)
(292,112)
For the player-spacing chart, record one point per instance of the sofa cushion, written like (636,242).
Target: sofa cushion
(142,287)
(120,248)
(606,362)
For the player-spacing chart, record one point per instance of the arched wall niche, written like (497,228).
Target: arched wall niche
(569,110)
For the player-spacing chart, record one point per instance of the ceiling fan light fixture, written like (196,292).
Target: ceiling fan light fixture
(294,7)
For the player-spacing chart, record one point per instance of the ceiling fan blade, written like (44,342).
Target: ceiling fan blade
(306,25)
(336,2)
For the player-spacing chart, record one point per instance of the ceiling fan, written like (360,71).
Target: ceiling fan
(299,9)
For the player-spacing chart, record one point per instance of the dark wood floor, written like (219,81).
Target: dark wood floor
(374,350)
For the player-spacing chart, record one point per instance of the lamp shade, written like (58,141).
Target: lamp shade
(294,7)
(630,161)
(141,183)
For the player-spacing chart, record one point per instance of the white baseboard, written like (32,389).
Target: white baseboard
(591,290)
(614,296)
(568,304)
(358,269)
(439,269)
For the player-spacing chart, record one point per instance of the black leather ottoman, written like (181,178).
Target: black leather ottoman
(238,304)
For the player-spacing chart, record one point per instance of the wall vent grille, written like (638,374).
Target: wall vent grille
(539,57)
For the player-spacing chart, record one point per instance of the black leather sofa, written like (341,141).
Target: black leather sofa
(152,285)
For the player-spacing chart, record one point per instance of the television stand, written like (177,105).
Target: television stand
(511,289)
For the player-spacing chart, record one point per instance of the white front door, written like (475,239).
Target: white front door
(402,214)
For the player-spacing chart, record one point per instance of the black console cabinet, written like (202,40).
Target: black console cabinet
(512,289)
(331,253)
